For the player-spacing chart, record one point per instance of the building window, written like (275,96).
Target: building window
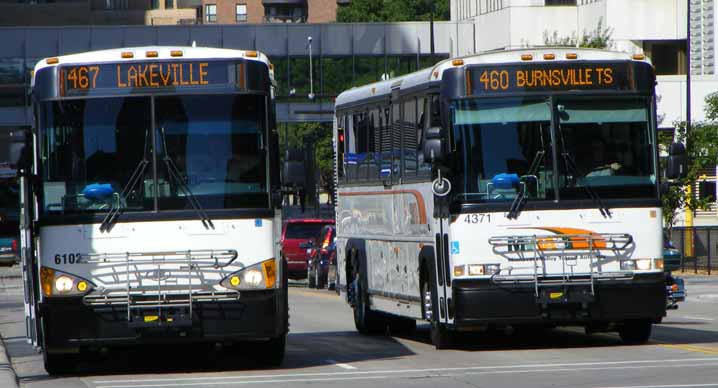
(154,4)
(169,4)
(285,14)
(241,12)
(210,13)
(560,2)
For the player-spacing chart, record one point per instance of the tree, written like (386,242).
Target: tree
(599,38)
(702,152)
(363,11)
(320,135)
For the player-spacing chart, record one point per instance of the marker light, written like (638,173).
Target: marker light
(176,53)
(457,62)
(459,270)
(63,284)
(251,54)
(549,56)
(639,57)
(658,263)
(527,57)
(127,54)
(571,56)
(269,268)
(151,54)
(52,61)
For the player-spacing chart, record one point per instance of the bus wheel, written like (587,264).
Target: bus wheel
(271,353)
(440,336)
(366,321)
(635,331)
(59,364)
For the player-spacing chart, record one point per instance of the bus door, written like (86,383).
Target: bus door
(28,261)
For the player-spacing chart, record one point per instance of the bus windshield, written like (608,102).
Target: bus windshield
(503,144)
(504,148)
(92,148)
(607,145)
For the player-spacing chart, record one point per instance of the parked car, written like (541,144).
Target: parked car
(294,233)
(322,262)
(9,253)
(675,287)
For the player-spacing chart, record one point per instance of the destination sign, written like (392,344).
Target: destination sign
(135,76)
(554,77)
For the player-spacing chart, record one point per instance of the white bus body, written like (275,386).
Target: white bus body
(513,242)
(110,260)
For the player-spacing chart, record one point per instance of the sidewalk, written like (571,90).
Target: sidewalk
(8,378)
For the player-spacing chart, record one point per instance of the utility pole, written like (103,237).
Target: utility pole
(688,66)
(311,73)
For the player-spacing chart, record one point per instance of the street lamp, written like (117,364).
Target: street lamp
(311,73)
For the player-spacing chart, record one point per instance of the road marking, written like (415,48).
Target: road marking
(692,348)
(383,375)
(343,366)
(695,318)
(326,295)
(666,386)
(663,363)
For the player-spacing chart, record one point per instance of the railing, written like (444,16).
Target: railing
(698,246)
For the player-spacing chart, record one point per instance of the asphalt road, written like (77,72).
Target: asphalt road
(324,350)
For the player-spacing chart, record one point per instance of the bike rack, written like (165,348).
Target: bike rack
(566,248)
(142,298)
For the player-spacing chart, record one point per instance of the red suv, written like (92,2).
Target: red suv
(295,232)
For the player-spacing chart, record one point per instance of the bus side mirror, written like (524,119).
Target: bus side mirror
(433,146)
(677,167)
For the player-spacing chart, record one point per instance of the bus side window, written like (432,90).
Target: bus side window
(374,131)
(409,145)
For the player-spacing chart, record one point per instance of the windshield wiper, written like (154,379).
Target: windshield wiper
(116,207)
(570,163)
(520,199)
(175,174)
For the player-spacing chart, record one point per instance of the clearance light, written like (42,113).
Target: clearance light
(549,57)
(639,57)
(251,54)
(658,263)
(270,273)
(527,57)
(151,54)
(46,277)
(127,54)
(459,270)
(176,53)
(571,56)
(52,61)
(458,62)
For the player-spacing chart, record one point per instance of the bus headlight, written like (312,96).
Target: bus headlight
(56,283)
(643,264)
(484,269)
(259,276)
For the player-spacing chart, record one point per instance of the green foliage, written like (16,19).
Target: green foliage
(702,150)
(362,11)
(599,38)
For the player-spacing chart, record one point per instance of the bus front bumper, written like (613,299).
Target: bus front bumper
(68,323)
(478,302)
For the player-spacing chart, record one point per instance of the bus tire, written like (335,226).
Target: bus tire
(440,336)
(59,364)
(366,321)
(634,332)
(271,353)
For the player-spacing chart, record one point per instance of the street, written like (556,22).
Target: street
(324,350)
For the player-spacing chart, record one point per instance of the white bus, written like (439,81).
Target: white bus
(149,202)
(508,188)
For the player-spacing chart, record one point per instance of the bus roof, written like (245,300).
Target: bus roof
(140,54)
(500,57)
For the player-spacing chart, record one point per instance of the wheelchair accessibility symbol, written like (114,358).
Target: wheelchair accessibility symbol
(455,248)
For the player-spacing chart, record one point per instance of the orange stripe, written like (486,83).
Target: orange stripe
(419,199)
(577,242)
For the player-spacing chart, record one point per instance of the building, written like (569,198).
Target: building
(164,12)
(657,28)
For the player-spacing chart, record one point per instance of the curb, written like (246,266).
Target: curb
(8,378)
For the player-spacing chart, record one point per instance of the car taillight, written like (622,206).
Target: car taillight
(327,241)
(14,245)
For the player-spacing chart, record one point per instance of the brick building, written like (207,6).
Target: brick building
(268,11)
